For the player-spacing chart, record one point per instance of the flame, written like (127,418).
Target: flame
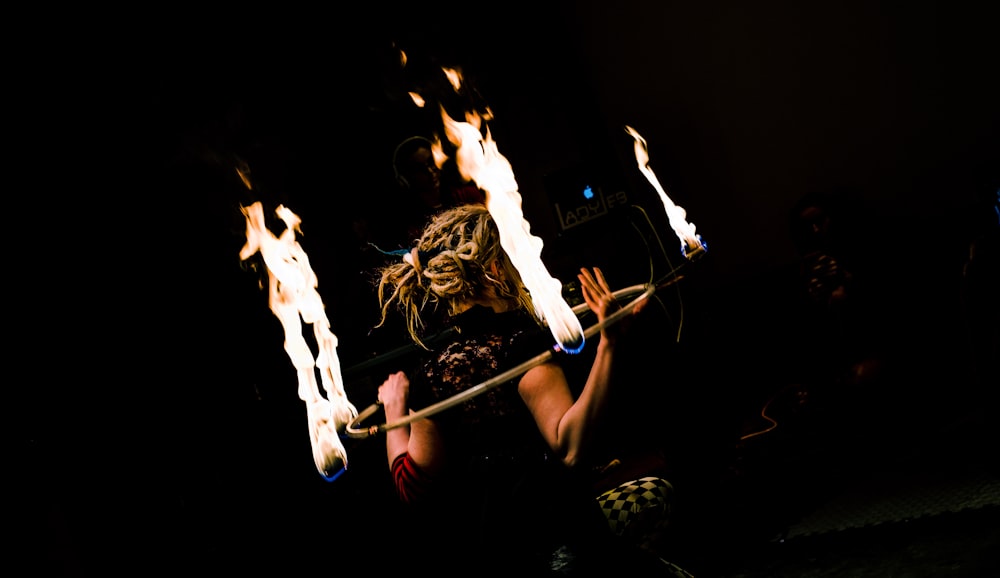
(454,77)
(293,298)
(478,159)
(438,154)
(691,243)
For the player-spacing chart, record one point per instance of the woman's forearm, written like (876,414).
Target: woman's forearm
(577,426)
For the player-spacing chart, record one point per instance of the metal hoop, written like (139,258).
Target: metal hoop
(354,429)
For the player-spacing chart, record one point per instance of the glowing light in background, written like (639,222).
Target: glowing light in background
(691,244)
(293,298)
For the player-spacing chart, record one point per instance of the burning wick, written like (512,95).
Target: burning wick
(691,244)
(293,298)
(479,160)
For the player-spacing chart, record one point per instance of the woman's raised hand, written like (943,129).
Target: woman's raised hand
(601,299)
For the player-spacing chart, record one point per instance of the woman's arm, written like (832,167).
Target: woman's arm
(568,424)
(414,451)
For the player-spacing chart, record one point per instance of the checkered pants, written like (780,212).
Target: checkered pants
(638,509)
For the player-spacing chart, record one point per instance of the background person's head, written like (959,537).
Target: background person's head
(416,172)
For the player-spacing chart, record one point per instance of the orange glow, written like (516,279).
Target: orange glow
(437,150)
(244,174)
(479,160)
(454,77)
(685,231)
(293,298)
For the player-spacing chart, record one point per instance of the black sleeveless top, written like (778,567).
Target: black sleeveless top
(494,423)
(506,505)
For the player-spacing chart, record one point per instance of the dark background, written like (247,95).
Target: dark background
(165,427)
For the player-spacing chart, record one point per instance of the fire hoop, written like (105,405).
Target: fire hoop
(355,430)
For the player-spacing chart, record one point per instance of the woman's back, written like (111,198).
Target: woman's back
(488,483)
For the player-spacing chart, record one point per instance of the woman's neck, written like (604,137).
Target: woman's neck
(497,305)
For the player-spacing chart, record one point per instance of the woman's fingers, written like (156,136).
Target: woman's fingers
(394,385)
(596,283)
(601,280)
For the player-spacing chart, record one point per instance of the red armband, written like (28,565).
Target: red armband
(410,480)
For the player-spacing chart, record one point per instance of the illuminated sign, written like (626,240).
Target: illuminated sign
(588,204)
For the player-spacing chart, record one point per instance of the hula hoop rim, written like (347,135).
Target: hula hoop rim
(354,429)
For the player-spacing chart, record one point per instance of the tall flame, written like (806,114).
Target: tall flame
(293,298)
(478,159)
(691,243)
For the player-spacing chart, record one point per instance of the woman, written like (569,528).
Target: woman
(491,484)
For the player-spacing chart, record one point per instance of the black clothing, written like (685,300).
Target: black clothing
(484,345)
(506,503)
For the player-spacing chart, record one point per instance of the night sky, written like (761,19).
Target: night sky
(176,422)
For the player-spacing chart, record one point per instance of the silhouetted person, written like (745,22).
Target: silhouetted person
(839,288)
